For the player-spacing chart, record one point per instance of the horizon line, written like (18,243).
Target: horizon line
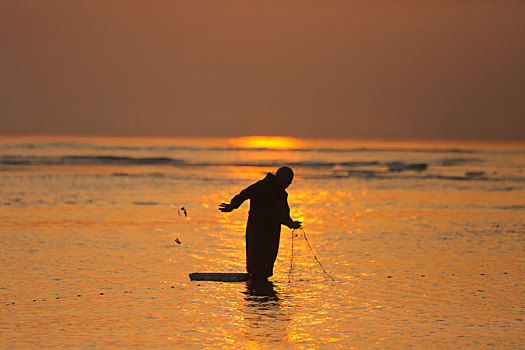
(235,136)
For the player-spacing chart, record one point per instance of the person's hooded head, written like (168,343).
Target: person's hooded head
(284,177)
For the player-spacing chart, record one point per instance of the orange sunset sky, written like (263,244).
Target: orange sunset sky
(368,69)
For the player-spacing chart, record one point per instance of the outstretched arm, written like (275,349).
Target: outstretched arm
(237,200)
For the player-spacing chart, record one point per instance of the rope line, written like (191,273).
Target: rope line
(304,235)
(311,250)
(291,259)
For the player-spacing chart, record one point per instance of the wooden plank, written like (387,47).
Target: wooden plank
(220,276)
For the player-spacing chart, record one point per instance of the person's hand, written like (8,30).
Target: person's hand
(226,207)
(296,225)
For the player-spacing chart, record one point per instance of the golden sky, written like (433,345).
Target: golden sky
(373,69)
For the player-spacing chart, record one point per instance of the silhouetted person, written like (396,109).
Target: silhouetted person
(268,210)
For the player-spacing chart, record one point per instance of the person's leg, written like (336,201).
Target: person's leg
(262,245)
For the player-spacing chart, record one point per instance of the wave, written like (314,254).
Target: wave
(458,161)
(396,166)
(315,169)
(72,146)
(120,160)
(511,207)
(86,160)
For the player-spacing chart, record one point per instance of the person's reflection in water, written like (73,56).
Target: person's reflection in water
(261,288)
(266,320)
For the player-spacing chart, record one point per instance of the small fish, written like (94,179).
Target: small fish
(177,240)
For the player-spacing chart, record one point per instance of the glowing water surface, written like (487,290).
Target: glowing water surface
(430,258)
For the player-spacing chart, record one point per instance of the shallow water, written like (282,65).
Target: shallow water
(421,258)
